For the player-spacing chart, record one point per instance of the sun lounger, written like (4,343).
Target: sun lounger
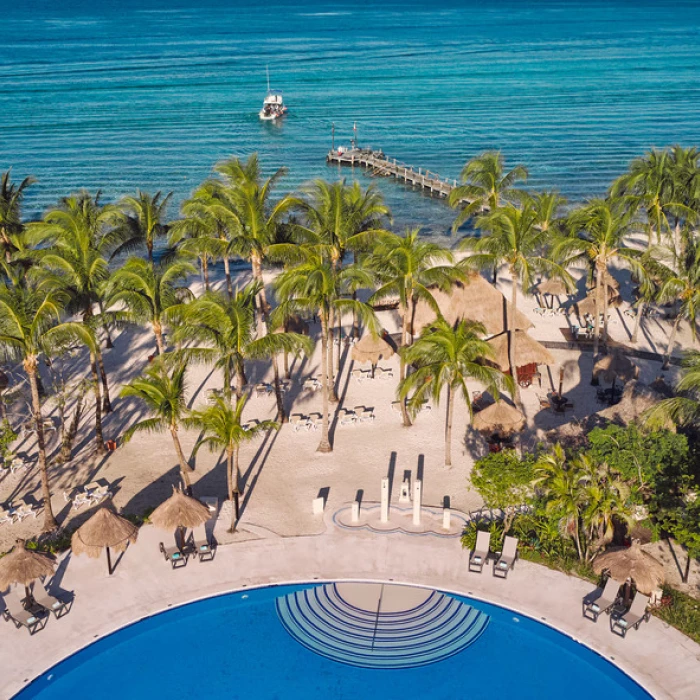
(364,414)
(79,500)
(601,601)
(507,559)
(620,624)
(263,389)
(346,416)
(99,494)
(16,464)
(299,422)
(202,546)
(174,555)
(15,612)
(24,511)
(481,551)
(383,373)
(315,421)
(6,516)
(360,374)
(50,603)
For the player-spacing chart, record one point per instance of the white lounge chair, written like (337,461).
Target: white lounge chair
(315,421)
(78,500)
(507,559)
(7,516)
(620,624)
(480,554)
(99,494)
(383,373)
(299,422)
(601,601)
(346,416)
(24,511)
(15,612)
(263,389)
(50,603)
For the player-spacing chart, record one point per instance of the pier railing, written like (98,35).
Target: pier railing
(380,165)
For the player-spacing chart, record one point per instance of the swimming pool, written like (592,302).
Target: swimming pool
(320,641)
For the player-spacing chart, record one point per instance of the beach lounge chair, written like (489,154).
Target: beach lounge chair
(6,516)
(620,624)
(315,421)
(48,602)
(346,416)
(299,422)
(174,555)
(480,554)
(601,601)
(384,373)
(99,494)
(263,389)
(364,414)
(507,559)
(24,510)
(202,546)
(15,612)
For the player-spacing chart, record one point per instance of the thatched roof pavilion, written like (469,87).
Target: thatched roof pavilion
(553,287)
(371,348)
(477,300)
(527,351)
(180,511)
(632,563)
(615,366)
(499,417)
(22,566)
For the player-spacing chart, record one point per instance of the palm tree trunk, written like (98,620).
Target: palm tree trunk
(158,331)
(340,342)
(69,435)
(638,321)
(108,344)
(512,333)
(99,439)
(333,398)
(258,277)
(402,366)
(577,541)
(232,473)
(50,523)
(281,414)
(185,469)
(205,272)
(106,403)
(605,310)
(671,342)
(227,272)
(324,445)
(448,426)
(149,248)
(600,271)
(241,379)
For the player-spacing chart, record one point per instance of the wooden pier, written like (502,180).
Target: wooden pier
(379,164)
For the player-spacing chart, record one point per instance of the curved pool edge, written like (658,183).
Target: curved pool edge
(638,656)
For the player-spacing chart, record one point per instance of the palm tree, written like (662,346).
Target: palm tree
(446,357)
(162,388)
(513,237)
(684,408)
(144,220)
(564,489)
(599,229)
(29,324)
(199,233)
(682,283)
(315,285)
(408,267)
(223,332)
(11,197)
(222,428)
(246,198)
(149,292)
(77,237)
(485,185)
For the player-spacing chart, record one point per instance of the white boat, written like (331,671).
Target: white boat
(273,104)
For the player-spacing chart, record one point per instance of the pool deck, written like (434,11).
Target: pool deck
(659,657)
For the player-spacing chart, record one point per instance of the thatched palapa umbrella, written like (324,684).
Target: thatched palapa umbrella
(632,563)
(552,287)
(104,530)
(615,366)
(587,306)
(180,512)
(22,566)
(371,348)
(499,417)
(527,351)
(477,300)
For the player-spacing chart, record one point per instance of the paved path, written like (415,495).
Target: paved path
(661,658)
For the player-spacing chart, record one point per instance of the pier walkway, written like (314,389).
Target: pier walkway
(379,164)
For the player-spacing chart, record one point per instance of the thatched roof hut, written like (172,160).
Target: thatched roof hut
(553,287)
(180,511)
(499,417)
(371,348)
(22,566)
(527,351)
(104,530)
(632,563)
(587,306)
(477,300)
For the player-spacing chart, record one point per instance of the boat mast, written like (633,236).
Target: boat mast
(267,70)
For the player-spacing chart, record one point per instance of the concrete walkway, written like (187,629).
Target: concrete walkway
(660,658)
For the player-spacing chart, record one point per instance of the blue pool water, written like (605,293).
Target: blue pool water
(235,646)
(119,94)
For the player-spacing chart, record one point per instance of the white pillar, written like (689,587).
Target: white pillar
(417,493)
(385,500)
(355,511)
(446,517)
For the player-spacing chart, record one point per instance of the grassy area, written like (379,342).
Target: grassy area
(681,611)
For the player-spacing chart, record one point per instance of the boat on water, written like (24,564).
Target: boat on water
(273,104)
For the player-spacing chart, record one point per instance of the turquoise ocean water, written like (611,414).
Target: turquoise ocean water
(119,94)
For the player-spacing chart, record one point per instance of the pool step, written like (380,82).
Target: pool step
(322,620)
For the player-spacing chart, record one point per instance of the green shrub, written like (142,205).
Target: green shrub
(682,611)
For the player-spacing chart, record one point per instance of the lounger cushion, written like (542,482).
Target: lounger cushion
(31,620)
(595,607)
(622,622)
(203,547)
(176,555)
(502,565)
